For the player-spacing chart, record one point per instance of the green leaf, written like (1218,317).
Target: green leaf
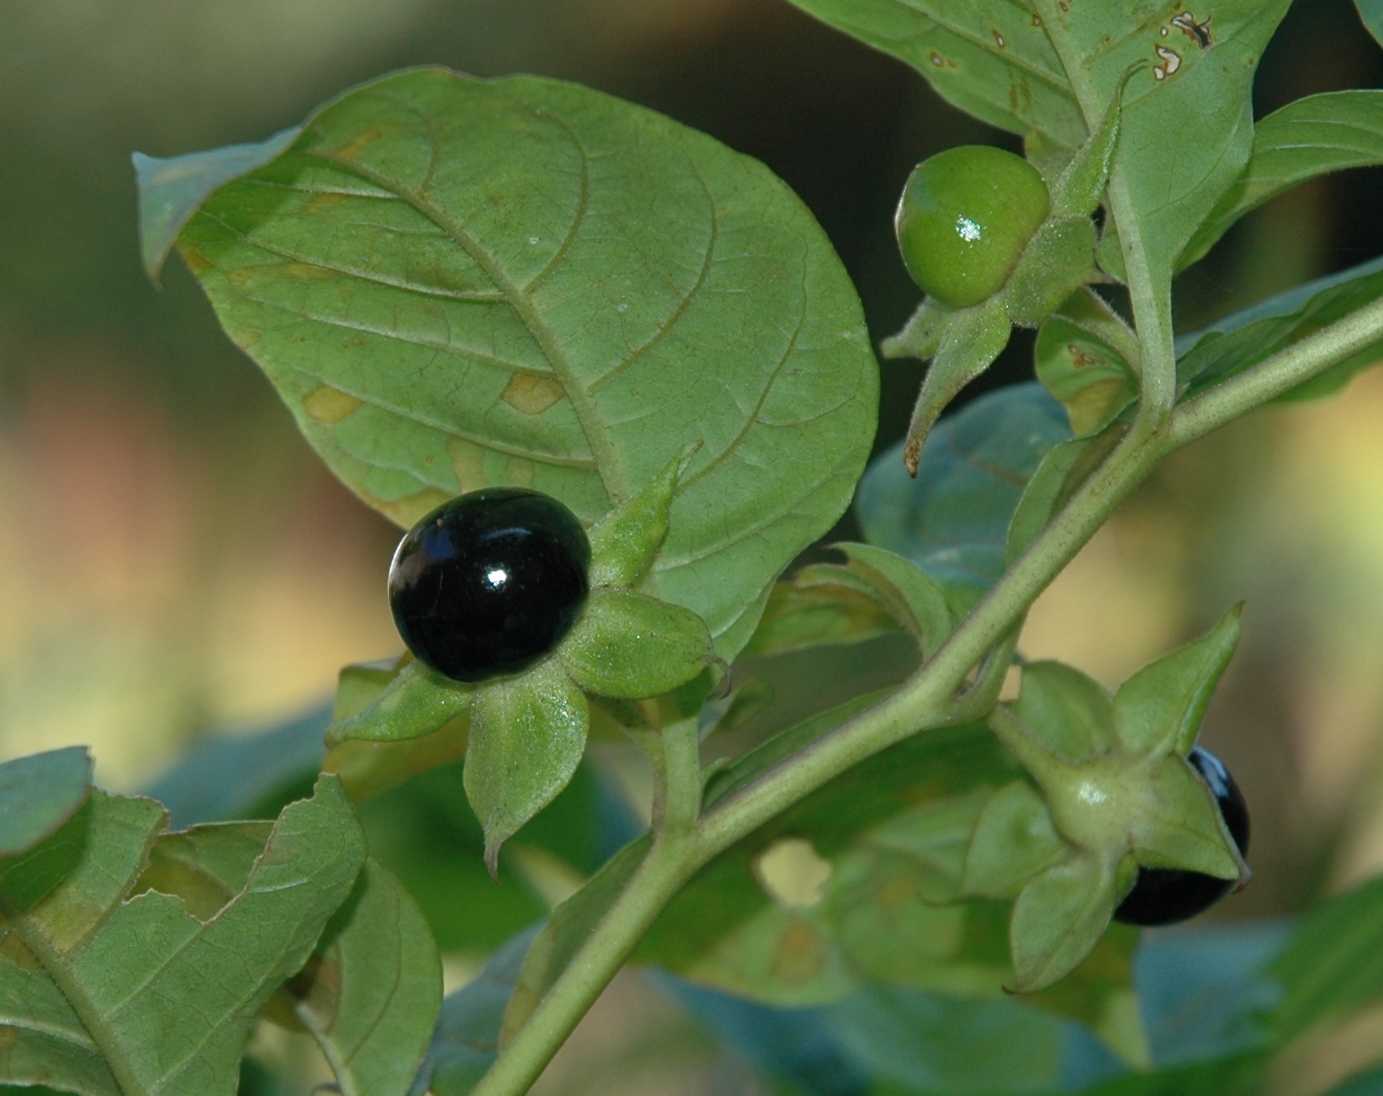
(527,737)
(1059,918)
(1159,709)
(952,521)
(153,998)
(1078,363)
(39,793)
(370,993)
(1013,840)
(990,58)
(415,702)
(1304,139)
(455,283)
(630,646)
(170,190)
(1371,12)
(1332,965)
(1241,341)
(466,1041)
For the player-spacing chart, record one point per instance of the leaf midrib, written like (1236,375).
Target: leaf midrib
(607,463)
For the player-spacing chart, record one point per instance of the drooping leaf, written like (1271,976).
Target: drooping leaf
(130,968)
(370,993)
(1241,341)
(457,282)
(1312,136)
(873,593)
(1080,359)
(466,1040)
(953,519)
(528,734)
(1161,706)
(39,793)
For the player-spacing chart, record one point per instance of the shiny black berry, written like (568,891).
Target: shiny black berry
(489,582)
(1161,896)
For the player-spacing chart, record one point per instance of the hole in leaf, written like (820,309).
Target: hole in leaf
(792,873)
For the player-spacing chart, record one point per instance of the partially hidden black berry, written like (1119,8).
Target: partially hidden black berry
(490,582)
(1161,896)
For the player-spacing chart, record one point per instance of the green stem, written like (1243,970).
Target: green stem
(677,779)
(1273,376)
(661,875)
(1149,284)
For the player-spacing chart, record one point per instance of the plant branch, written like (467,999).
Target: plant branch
(1273,376)
(664,870)
(1149,284)
(677,779)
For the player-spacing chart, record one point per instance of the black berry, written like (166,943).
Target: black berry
(1161,896)
(489,582)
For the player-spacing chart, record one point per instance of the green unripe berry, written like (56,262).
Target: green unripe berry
(965,216)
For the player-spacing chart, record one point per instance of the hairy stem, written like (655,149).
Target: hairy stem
(677,779)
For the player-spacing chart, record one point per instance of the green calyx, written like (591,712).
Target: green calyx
(1109,790)
(993,246)
(523,735)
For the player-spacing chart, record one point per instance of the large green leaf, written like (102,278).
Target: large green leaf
(371,992)
(39,793)
(1310,137)
(1186,124)
(457,282)
(1246,338)
(108,994)
(953,519)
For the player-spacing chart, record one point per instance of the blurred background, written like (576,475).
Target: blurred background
(174,559)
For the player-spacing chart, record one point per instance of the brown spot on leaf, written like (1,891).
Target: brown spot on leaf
(322,201)
(468,462)
(940,60)
(531,393)
(195,260)
(896,893)
(410,508)
(1080,358)
(354,147)
(329,405)
(801,953)
(999,40)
